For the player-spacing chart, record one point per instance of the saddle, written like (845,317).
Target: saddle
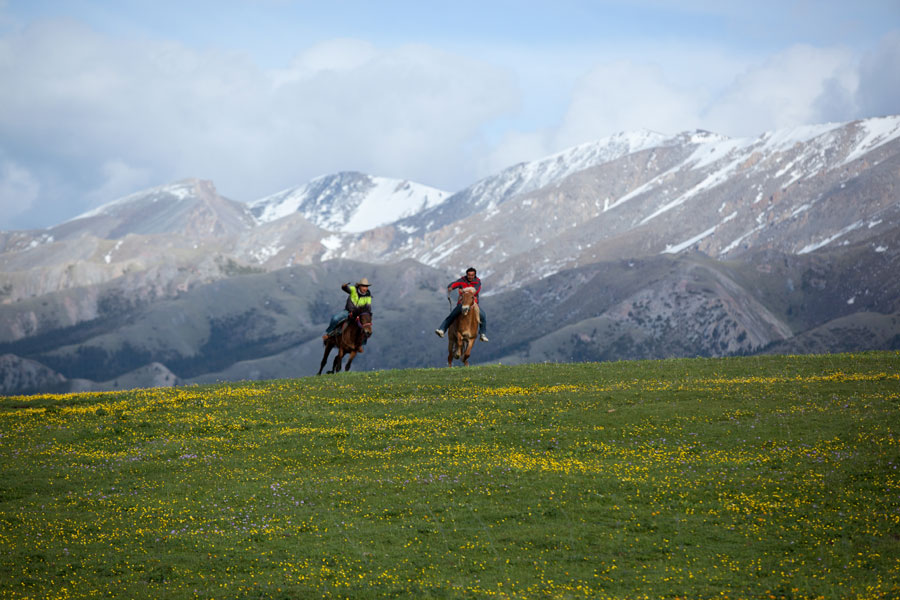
(339,330)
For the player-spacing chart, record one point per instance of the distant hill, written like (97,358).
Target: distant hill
(640,245)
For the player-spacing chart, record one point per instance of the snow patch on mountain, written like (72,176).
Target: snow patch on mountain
(875,133)
(819,244)
(688,243)
(529,176)
(350,202)
(721,158)
(179,191)
(784,139)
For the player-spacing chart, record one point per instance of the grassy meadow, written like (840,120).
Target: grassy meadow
(759,477)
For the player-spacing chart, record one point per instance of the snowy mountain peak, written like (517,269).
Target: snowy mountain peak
(180,190)
(189,206)
(538,173)
(350,202)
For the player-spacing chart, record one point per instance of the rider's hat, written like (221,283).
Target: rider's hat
(363,281)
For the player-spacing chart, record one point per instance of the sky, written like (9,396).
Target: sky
(103,98)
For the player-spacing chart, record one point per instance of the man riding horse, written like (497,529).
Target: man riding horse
(469,280)
(359,301)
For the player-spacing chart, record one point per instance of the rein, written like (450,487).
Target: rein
(360,324)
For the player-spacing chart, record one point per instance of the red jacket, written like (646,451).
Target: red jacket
(463,282)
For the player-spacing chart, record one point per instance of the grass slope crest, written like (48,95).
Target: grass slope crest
(752,477)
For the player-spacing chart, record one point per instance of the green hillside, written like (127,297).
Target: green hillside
(757,477)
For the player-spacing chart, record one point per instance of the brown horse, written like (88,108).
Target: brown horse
(463,332)
(348,340)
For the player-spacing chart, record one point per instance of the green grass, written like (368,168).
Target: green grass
(763,477)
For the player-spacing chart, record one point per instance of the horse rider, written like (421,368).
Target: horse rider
(360,300)
(469,280)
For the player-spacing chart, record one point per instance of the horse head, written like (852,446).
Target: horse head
(364,322)
(467,299)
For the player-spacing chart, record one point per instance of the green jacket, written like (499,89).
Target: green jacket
(356,300)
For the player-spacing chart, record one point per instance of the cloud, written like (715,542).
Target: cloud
(612,97)
(409,110)
(799,85)
(104,114)
(87,117)
(785,90)
(119,180)
(879,78)
(19,189)
(626,96)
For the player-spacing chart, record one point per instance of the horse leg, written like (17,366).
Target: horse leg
(328,348)
(336,366)
(467,350)
(458,345)
(350,361)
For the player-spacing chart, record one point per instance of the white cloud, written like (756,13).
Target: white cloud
(19,189)
(625,96)
(797,86)
(513,148)
(879,86)
(109,113)
(612,97)
(119,180)
(783,91)
(333,55)
(407,112)
(86,117)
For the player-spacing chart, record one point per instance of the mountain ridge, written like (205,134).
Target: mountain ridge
(349,202)
(636,246)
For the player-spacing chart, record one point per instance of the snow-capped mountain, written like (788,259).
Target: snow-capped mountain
(190,207)
(490,192)
(638,246)
(350,202)
(795,190)
(633,194)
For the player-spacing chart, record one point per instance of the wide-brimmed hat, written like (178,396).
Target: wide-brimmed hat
(363,281)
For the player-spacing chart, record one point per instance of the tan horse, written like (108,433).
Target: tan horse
(348,340)
(463,332)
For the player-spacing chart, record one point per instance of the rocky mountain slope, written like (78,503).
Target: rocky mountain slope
(268,325)
(794,191)
(636,246)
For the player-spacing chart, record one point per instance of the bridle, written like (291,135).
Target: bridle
(463,294)
(362,327)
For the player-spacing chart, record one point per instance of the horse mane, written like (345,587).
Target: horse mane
(467,290)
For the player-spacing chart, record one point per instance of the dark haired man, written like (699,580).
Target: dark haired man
(469,280)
